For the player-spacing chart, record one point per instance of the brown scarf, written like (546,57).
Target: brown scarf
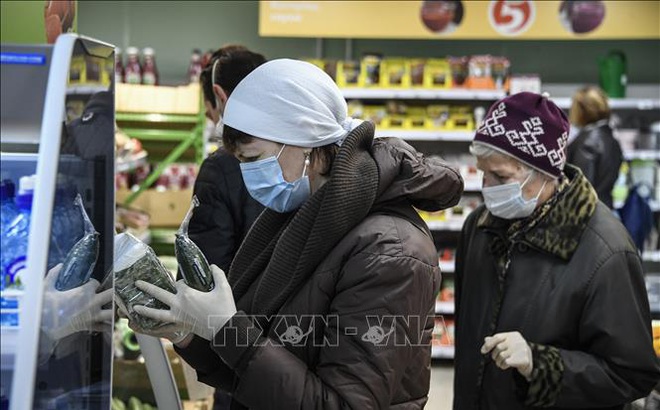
(282,250)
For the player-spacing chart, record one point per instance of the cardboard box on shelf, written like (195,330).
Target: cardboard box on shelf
(166,209)
(157,99)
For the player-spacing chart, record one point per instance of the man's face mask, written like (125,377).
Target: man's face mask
(265,183)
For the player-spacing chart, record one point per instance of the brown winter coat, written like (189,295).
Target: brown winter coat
(339,312)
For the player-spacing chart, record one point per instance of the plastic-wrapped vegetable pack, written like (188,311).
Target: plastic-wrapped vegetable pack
(193,265)
(81,259)
(136,261)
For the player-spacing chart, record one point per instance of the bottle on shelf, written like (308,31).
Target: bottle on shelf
(15,239)
(119,66)
(195,68)
(149,69)
(8,209)
(133,69)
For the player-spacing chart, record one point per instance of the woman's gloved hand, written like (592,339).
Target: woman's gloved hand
(172,332)
(510,349)
(76,310)
(202,313)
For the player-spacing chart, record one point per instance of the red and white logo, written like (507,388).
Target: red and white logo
(511,17)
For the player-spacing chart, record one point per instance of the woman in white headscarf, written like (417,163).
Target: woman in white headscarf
(329,302)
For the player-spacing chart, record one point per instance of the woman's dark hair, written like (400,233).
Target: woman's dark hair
(231,64)
(324,155)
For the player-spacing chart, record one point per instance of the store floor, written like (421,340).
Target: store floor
(442,384)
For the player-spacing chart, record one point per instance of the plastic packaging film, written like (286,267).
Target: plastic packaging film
(81,259)
(136,261)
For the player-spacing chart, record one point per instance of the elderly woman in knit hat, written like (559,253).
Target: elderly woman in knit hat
(329,302)
(551,309)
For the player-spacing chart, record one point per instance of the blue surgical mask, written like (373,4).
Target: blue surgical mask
(506,201)
(265,183)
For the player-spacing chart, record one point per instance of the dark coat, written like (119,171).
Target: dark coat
(598,155)
(226,210)
(573,286)
(359,352)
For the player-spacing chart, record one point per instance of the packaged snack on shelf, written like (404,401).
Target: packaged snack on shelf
(396,73)
(370,70)
(447,290)
(417,72)
(416,118)
(437,116)
(136,261)
(376,114)
(348,73)
(193,266)
(480,73)
(437,74)
(459,69)
(356,109)
(500,71)
(525,82)
(443,332)
(460,122)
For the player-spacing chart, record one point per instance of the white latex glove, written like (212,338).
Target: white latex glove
(510,349)
(202,313)
(76,310)
(173,332)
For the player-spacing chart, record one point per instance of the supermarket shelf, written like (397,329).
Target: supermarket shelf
(447,267)
(423,94)
(157,135)
(427,135)
(651,256)
(85,89)
(442,352)
(157,118)
(648,155)
(618,103)
(446,308)
(131,164)
(455,226)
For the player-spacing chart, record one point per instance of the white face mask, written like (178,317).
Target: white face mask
(507,202)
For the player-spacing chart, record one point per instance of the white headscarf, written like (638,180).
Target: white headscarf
(291,102)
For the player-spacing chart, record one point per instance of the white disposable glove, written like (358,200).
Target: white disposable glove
(173,332)
(76,310)
(202,313)
(510,349)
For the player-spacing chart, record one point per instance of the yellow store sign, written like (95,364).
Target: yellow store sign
(439,19)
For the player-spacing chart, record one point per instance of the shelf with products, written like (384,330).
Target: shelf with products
(422,94)
(442,339)
(651,256)
(617,103)
(426,135)
(162,115)
(644,155)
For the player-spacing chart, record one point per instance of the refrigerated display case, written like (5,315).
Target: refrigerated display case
(57,144)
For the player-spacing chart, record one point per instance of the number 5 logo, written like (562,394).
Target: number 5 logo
(511,17)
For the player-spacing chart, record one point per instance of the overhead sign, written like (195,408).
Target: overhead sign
(461,19)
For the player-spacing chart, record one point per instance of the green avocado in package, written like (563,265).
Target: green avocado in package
(136,261)
(193,265)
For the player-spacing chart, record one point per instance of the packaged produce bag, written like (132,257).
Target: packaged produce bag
(193,265)
(81,259)
(136,261)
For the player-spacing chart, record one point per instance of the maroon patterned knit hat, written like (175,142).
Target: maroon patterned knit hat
(529,127)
